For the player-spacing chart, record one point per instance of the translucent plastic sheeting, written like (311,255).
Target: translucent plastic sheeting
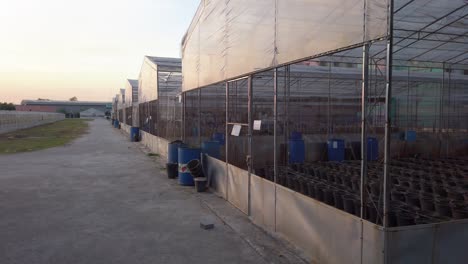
(148,82)
(228,39)
(159,76)
(131,92)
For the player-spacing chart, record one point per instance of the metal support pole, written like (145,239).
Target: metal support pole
(226,139)
(441,99)
(329,102)
(275,140)
(250,135)
(388,98)
(184,104)
(364,99)
(199,118)
(408,123)
(288,86)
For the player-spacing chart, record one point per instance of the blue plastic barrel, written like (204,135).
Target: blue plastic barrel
(220,137)
(212,149)
(134,134)
(410,135)
(116,123)
(372,149)
(336,149)
(173,151)
(295,135)
(186,155)
(296,151)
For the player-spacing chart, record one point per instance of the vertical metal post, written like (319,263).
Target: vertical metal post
(441,98)
(288,86)
(449,111)
(226,141)
(388,98)
(275,140)
(250,135)
(184,103)
(408,99)
(199,117)
(329,102)
(364,99)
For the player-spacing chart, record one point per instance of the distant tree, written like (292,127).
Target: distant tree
(7,106)
(74,99)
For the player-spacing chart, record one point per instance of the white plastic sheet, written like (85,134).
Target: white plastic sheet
(228,39)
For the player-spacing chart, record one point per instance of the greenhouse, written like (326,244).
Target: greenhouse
(159,102)
(342,125)
(131,103)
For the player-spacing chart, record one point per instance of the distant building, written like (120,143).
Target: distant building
(36,108)
(91,112)
(70,108)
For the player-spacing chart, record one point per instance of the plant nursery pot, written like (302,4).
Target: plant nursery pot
(412,200)
(427,203)
(319,192)
(200,184)
(338,197)
(442,208)
(328,197)
(311,188)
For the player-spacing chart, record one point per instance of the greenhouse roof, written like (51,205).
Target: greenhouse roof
(230,39)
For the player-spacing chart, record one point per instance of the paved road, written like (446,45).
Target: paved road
(101,200)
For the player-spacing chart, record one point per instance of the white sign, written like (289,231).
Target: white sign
(335,144)
(257,124)
(236,130)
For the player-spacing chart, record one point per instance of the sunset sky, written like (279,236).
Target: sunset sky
(58,49)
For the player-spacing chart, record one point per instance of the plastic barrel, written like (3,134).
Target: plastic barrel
(410,135)
(134,134)
(220,137)
(336,150)
(212,149)
(172,170)
(116,124)
(296,151)
(186,155)
(296,135)
(372,149)
(173,151)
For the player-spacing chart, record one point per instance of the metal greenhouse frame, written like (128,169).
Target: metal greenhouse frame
(344,76)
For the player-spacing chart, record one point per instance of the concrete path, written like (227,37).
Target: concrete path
(101,200)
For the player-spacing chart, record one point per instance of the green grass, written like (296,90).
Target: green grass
(43,137)
(151,154)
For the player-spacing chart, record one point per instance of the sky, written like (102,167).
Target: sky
(57,49)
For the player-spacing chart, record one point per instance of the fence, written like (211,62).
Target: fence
(13,120)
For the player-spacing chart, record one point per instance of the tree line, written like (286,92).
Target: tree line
(7,106)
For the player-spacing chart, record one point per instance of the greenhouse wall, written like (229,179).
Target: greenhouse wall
(213,49)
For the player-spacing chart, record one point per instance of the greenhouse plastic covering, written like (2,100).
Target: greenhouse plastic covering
(231,38)
(158,70)
(131,92)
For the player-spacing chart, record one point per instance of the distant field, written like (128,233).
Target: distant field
(42,137)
